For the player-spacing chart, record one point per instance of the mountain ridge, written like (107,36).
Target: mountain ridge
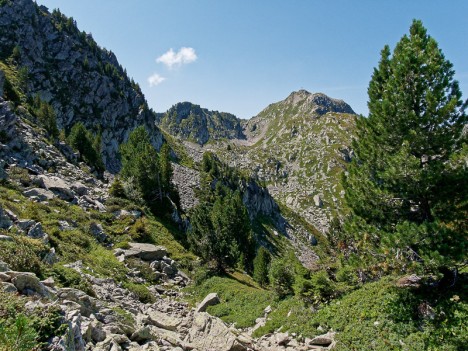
(67,69)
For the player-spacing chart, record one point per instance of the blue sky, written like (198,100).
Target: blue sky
(240,56)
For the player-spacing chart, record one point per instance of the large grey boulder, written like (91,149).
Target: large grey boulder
(146,252)
(25,224)
(27,282)
(163,320)
(97,231)
(79,188)
(210,300)
(88,304)
(37,232)
(318,201)
(210,333)
(8,287)
(410,281)
(323,340)
(40,194)
(56,185)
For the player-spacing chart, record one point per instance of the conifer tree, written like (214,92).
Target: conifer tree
(47,118)
(406,193)
(166,167)
(261,266)
(140,164)
(88,145)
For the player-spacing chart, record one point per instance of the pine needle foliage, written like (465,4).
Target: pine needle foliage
(407,192)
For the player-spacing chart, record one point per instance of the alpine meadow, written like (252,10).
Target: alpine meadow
(305,227)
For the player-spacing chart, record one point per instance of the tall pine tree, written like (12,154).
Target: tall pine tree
(407,193)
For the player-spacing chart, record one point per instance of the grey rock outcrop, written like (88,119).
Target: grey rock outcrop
(8,120)
(5,221)
(82,81)
(146,252)
(191,122)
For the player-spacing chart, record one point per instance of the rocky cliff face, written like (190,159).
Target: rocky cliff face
(191,122)
(66,68)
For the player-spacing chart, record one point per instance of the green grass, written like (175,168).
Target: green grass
(242,300)
(379,316)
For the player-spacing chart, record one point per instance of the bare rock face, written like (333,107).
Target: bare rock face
(82,81)
(5,221)
(8,119)
(191,122)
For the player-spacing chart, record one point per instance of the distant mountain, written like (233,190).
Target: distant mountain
(193,123)
(51,58)
(299,147)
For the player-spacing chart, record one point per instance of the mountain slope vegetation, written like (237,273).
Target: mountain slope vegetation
(306,227)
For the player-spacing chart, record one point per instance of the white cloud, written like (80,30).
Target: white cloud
(172,58)
(155,79)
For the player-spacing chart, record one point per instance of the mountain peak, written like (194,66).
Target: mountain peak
(317,102)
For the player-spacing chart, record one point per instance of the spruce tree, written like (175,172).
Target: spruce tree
(166,168)
(261,266)
(407,194)
(47,118)
(87,145)
(140,164)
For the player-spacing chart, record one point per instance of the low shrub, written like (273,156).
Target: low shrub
(18,335)
(24,254)
(70,278)
(141,291)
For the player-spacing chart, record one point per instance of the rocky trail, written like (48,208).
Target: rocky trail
(114,319)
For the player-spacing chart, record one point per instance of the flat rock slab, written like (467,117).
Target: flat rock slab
(56,185)
(163,320)
(147,252)
(40,194)
(210,333)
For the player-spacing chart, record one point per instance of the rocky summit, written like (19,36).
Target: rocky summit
(193,123)
(306,227)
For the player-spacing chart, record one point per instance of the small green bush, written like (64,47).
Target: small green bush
(117,188)
(19,175)
(24,254)
(141,291)
(139,231)
(202,274)
(347,275)
(68,277)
